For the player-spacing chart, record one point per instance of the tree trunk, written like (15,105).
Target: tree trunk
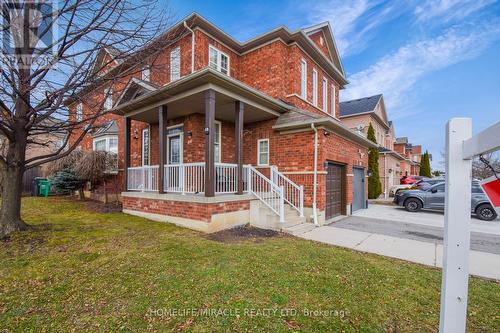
(10,213)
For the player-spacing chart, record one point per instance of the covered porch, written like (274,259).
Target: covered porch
(199,122)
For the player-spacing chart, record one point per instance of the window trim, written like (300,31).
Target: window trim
(147,78)
(219,59)
(303,78)
(108,98)
(217,122)
(79,112)
(107,139)
(325,94)
(259,152)
(333,101)
(144,130)
(315,87)
(178,76)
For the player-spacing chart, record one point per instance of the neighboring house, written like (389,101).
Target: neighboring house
(224,132)
(412,154)
(358,114)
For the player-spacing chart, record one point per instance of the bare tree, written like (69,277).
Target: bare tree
(484,167)
(59,52)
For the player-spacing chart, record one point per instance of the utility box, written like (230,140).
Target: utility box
(35,188)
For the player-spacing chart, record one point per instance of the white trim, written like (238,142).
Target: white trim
(146,74)
(325,94)
(106,138)
(259,152)
(217,122)
(108,98)
(333,101)
(79,112)
(144,130)
(315,87)
(181,145)
(219,60)
(175,61)
(303,79)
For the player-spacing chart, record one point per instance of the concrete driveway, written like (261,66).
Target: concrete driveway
(427,218)
(416,237)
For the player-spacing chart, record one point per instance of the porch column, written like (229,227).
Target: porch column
(238,134)
(209,143)
(162,119)
(126,151)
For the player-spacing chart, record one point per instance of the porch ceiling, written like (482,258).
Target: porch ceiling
(186,96)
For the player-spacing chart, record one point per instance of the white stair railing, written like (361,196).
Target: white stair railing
(293,193)
(266,191)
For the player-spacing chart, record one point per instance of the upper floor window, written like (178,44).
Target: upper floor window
(218,60)
(175,64)
(79,112)
(108,143)
(146,73)
(145,146)
(217,141)
(333,108)
(315,87)
(303,79)
(325,95)
(108,102)
(263,152)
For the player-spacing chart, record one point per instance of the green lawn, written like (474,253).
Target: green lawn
(80,270)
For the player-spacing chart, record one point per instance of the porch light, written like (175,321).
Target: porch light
(207,131)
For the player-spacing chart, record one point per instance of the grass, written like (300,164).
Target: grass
(79,270)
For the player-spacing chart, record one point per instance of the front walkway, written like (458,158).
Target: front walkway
(423,246)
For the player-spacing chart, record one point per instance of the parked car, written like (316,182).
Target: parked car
(406,180)
(421,184)
(433,198)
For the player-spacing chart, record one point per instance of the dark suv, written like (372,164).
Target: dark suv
(433,198)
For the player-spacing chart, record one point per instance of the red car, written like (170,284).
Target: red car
(408,180)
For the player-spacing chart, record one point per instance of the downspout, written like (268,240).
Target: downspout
(192,45)
(386,178)
(315,181)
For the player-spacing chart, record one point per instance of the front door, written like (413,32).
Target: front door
(334,190)
(174,173)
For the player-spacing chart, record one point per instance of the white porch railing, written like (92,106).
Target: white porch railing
(143,178)
(267,192)
(293,193)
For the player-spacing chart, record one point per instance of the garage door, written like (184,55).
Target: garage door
(334,190)
(358,189)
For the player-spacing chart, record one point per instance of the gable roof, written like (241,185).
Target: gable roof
(359,106)
(134,88)
(330,42)
(107,128)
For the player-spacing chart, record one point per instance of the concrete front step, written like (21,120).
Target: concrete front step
(298,229)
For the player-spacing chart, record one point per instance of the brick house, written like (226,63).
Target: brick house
(412,154)
(357,115)
(226,133)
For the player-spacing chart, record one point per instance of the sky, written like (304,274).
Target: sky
(432,60)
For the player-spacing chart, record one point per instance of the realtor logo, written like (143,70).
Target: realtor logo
(28,30)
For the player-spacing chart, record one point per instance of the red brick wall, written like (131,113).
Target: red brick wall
(189,210)
(316,38)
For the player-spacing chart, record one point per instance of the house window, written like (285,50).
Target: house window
(217,141)
(325,95)
(108,144)
(108,102)
(315,87)
(218,60)
(334,105)
(303,79)
(263,152)
(79,112)
(146,73)
(175,64)
(145,146)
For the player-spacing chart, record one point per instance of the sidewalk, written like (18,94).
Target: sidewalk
(431,254)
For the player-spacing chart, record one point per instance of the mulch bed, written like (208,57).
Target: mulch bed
(241,233)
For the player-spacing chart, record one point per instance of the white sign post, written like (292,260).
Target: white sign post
(461,147)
